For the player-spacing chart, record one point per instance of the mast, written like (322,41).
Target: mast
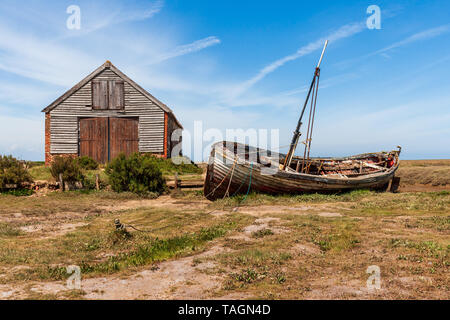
(297,133)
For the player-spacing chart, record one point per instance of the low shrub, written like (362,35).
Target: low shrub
(87,163)
(12,172)
(68,167)
(136,173)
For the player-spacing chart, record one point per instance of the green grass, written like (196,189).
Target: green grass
(255,199)
(390,203)
(342,236)
(41,172)
(168,166)
(154,251)
(429,248)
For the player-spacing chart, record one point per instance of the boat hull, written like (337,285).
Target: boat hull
(228,177)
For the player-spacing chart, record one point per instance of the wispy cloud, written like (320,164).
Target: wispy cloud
(142,14)
(424,35)
(343,32)
(30,57)
(187,48)
(118,16)
(419,36)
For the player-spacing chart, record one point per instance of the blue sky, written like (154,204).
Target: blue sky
(236,64)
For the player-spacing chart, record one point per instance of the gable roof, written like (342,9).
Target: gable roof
(109,65)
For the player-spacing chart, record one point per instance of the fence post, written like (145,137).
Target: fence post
(61,182)
(97,183)
(176,181)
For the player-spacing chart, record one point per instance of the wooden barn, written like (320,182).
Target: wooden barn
(105,114)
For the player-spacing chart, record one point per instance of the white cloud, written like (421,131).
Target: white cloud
(419,36)
(423,35)
(343,32)
(31,57)
(187,48)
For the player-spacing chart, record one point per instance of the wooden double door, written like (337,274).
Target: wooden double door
(104,138)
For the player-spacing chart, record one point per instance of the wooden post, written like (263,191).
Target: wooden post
(97,182)
(395,184)
(297,168)
(176,180)
(388,188)
(61,182)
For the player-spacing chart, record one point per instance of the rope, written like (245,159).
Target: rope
(231,178)
(149,231)
(312,112)
(217,187)
(250,183)
(248,173)
(120,226)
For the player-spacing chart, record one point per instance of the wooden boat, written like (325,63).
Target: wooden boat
(236,168)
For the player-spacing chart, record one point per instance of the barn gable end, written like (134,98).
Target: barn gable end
(63,116)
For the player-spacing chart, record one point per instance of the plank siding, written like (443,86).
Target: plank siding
(64,120)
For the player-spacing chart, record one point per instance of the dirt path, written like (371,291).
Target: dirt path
(183,278)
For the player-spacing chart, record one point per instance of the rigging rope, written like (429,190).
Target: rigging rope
(249,183)
(248,173)
(312,112)
(217,187)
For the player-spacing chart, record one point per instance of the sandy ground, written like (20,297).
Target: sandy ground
(188,277)
(183,278)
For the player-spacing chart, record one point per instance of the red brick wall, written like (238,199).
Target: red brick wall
(166,124)
(47,140)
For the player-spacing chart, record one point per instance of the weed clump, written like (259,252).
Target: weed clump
(262,233)
(120,236)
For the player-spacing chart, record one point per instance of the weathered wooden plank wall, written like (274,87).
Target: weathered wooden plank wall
(64,118)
